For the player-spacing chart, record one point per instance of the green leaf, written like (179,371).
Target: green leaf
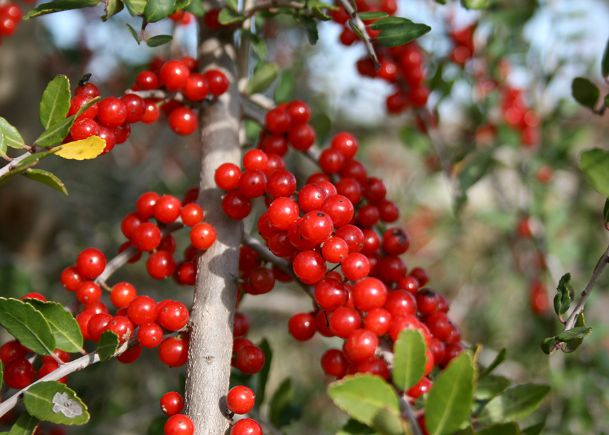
(450,399)
(501,429)
(263,376)
(108,345)
(496,363)
(398,31)
(158,40)
(58,6)
(25,425)
(594,164)
(227,17)
(136,7)
(548,344)
(64,327)
(585,92)
(134,33)
(476,4)
(354,427)
(606,211)
(56,133)
(157,10)
(409,359)
(196,8)
(605,62)
(285,88)
(536,429)
(55,402)
(564,295)
(26,163)
(232,4)
(282,407)
(2,145)
(27,324)
(182,4)
(491,385)
(310,26)
(264,75)
(11,135)
(365,16)
(514,403)
(112,8)
(576,333)
(362,397)
(48,178)
(388,422)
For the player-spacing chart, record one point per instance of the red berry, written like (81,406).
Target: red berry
(173,351)
(360,345)
(246,426)
(236,206)
(121,326)
(227,176)
(301,136)
(146,237)
(70,279)
(202,236)
(302,326)
(344,321)
(240,399)
(218,82)
(196,87)
(330,294)
(173,315)
(90,263)
(281,183)
(112,112)
(160,265)
(146,81)
(151,113)
(136,107)
(167,209)
(250,359)
(334,363)
(369,293)
(346,144)
(84,128)
(183,121)
(299,111)
(172,403)
(142,310)
(378,321)
(241,325)
(12,350)
(19,373)
(150,335)
(283,212)
(88,292)
(355,266)
(97,325)
(179,424)
(309,267)
(173,75)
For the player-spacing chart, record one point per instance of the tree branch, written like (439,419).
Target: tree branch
(587,291)
(358,24)
(12,165)
(215,294)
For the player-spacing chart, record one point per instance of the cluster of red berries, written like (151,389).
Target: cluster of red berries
(10,17)
(109,118)
(519,116)
(401,66)
(186,87)
(181,17)
(463,48)
(335,217)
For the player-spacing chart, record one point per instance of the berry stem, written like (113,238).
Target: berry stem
(215,293)
(587,291)
(408,414)
(6,169)
(357,22)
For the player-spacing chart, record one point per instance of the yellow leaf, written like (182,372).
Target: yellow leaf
(84,149)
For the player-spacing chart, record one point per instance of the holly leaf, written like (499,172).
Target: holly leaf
(59,6)
(594,164)
(450,398)
(27,324)
(409,359)
(158,40)
(12,137)
(25,425)
(136,7)
(108,345)
(362,397)
(605,62)
(514,403)
(55,133)
(282,407)
(46,177)
(264,75)
(84,149)
(396,31)
(64,326)
(55,402)
(157,10)
(112,8)
(55,101)
(585,92)
(564,295)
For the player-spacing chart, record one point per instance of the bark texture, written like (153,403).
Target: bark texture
(215,293)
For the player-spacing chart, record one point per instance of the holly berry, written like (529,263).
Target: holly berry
(179,424)
(247,426)
(90,263)
(240,399)
(172,403)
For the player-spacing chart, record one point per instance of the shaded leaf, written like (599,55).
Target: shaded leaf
(112,8)
(56,133)
(135,7)
(605,61)
(310,26)
(585,92)
(514,403)
(58,6)
(228,16)
(594,164)
(354,427)
(27,324)
(536,429)
(263,376)
(501,429)
(285,88)
(450,397)
(388,422)
(55,402)
(496,363)
(25,425)
(134,33)
(12,136)
(264,75)
(476,4)
(158,40)
(282,407)
(64,327)
(363,396)
(489,386)
(157,10)
(196,8)
(564,294)
(398,31)
(108,345)
(46,177)
(409,359)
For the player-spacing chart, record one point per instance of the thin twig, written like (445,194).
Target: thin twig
(13,164)
(281,263)
(587,291)
(269,5)
(408,414)
(358,24)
